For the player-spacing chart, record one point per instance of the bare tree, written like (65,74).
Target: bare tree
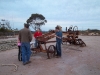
(5,24)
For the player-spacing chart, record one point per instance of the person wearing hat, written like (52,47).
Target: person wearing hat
(60,28)
(58,41)
(25,38)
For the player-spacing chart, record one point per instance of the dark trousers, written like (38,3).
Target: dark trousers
(19,53)
(36,43)
(58,48)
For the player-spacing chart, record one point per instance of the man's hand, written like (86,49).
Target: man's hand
(57,36)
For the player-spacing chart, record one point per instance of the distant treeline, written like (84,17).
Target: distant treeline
(11,33)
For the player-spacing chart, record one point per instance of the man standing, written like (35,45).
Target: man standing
(58,41)
(25,37)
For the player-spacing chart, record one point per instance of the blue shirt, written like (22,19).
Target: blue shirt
(59,34)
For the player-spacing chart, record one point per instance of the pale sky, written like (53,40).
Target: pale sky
(82,13)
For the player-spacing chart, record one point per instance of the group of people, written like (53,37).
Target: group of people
(25,37)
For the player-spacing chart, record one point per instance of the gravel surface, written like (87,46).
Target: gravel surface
(75,60)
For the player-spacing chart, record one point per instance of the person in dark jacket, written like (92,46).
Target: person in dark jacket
(25,38)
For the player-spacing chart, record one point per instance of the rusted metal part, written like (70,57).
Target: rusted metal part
(51,51)
(46,37)
(43,40)
(72,36)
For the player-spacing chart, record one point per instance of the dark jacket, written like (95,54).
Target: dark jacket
(25,35)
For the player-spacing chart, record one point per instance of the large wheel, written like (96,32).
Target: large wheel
(75,28)
(51,51)
(81,43)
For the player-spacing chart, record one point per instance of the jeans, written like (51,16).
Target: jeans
(36,43)
(26,52)
(58,48)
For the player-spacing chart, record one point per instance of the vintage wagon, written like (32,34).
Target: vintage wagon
(45,44)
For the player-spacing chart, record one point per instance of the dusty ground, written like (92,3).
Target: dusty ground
(75,61)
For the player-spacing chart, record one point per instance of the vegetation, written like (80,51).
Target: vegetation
(5,27)
(36,21)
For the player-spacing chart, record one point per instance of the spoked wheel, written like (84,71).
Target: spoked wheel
(75,28)
(77,42)
(51,51)
(82,44)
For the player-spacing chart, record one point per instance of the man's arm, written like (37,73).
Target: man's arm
(30,36)
(59,35)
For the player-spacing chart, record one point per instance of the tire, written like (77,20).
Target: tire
(51,50)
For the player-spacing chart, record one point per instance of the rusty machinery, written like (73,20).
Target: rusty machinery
(71,36)
(42,44)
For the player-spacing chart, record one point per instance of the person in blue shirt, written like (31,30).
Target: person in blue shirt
(58,41)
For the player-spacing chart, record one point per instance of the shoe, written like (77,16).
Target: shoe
(28,62)
(58,56)
(24,63)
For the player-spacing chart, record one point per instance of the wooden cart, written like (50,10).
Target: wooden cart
(46,45)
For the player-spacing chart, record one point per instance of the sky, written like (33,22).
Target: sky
(82,13)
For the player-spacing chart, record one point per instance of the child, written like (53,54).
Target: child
(19,52)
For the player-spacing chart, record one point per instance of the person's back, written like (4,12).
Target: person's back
(25,35)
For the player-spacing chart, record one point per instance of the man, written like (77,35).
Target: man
(25,38)
(58,41)
(37,34)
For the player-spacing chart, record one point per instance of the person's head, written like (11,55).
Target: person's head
(60,28)
(26,25)
(38,29)
(57,29)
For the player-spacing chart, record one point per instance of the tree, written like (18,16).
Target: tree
(36,21)
(4,24)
